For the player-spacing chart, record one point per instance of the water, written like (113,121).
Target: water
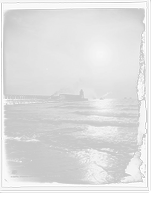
(88,142)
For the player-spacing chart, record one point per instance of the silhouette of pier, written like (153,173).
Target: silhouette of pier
(27,99)
(30,99)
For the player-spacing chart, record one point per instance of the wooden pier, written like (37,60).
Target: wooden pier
(27,99)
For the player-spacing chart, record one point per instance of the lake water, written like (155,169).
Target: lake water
(88,142)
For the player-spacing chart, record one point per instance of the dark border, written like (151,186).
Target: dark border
(14,6)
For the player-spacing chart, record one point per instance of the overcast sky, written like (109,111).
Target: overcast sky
(65,50)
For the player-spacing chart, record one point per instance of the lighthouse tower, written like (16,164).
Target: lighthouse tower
(81,94)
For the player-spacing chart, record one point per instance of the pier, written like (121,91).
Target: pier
(30,99)
(27,99)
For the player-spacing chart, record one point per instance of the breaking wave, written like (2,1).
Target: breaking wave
(36,136)
(91,122)
(75,107)
(107,114)
(89,107)
(88,122)
(33,120)
(78,144)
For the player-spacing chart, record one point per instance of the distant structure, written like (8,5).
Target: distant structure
(72,97)
(81,94)
(56,97)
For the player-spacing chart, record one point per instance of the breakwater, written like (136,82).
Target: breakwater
(30,99)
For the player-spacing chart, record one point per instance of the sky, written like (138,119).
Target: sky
(65,50)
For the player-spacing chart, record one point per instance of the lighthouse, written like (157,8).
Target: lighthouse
(81,94)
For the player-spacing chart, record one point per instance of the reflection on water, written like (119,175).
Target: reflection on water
(71,142)
(101,167)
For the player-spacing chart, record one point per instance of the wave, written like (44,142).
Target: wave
(126,115)
(130,109)
(33,120)
(88,107)
(92,106)
(91,122)
(115,147)
(64,142)
(94,109)
(21,160)
(78,144)
(62,170)
(36,136)
(118,151)
(106,145)
(94,122)
(101,123)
